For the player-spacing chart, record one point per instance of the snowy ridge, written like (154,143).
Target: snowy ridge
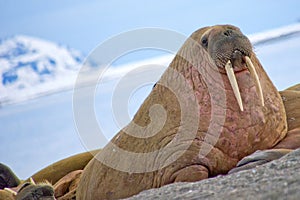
(275,34)
(32,67)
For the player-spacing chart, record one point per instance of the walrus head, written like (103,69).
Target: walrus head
(31,190)
(230,50)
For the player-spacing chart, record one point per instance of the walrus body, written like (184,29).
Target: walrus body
(218,144)
(56,171)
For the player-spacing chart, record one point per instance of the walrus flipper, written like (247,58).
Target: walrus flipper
(191,174)
(258,158)
(287,145)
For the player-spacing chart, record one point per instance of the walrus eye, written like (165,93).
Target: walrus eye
(204,41)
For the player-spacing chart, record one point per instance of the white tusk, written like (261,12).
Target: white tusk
(255,77)
(10,191)
(233,83)
(32,181)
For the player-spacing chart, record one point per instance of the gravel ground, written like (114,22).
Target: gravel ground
(279,179)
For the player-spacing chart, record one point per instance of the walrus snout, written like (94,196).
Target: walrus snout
(31,190)
(43,192)
(238,60)
(231,50)
(225,43)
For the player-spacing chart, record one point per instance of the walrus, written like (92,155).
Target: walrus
(27,190)
(31,190)
(7,178)
(54,172)
(238,112)
(52,182)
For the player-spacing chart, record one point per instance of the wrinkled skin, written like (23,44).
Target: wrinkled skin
(242,133)
(291,99)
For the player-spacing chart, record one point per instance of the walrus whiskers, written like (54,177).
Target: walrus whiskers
(234,84)
(255,77)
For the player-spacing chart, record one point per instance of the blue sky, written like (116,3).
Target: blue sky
(84,24)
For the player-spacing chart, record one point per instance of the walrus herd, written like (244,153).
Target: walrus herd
(215,106)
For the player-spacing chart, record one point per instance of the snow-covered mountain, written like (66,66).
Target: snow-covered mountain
(30,66)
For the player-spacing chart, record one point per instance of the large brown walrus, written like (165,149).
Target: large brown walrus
(238,111)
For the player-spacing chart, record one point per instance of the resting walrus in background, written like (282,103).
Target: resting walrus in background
(226,109)
(64,175)
(227,80)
